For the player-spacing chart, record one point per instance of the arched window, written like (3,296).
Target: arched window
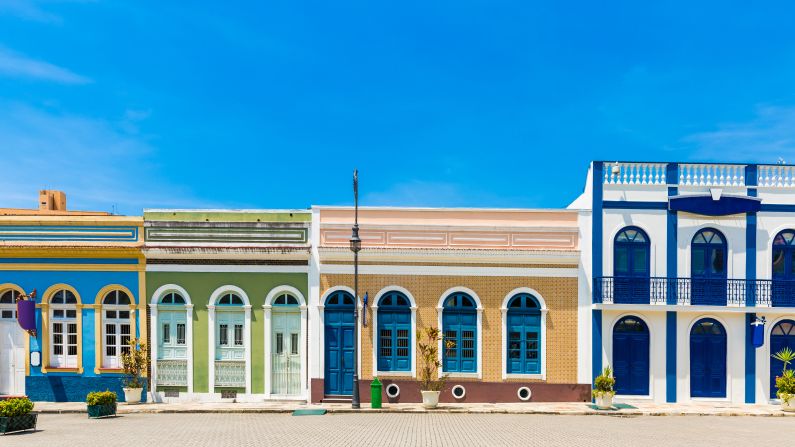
(631,356)
(116,327)
(63,329)
(172,336)
(631,266)
(394,332)
(229,341)
(525,346)
(708,359)
(285,299)
(708,254)
(784,269)
(230,299)
(459,327)
(172,298)
(8,305)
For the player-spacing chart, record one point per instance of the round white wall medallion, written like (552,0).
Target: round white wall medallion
(524,393)
(392,390)
(459,391)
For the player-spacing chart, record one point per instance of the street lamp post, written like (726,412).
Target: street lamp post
(356,246)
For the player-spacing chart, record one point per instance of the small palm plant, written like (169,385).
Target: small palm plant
(428,347)
(785,383)
(134,361)
(604,383)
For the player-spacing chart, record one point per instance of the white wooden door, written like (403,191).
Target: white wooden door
(286,353)
(12,358)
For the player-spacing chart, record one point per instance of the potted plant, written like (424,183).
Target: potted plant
(15,415)
(603,391)
(101,404)
(431,382)
(785,383)
(134,361)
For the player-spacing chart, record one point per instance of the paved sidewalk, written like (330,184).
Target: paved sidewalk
(565,408)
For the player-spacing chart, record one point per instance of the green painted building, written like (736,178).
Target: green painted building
(227,294)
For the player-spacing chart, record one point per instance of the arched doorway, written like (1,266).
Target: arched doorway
(338,331)
(12,346)
(781,336)
(708,359)
(631,356)
(708,256)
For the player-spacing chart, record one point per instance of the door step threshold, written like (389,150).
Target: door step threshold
(336,400)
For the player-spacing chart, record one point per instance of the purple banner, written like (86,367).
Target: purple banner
(26,314)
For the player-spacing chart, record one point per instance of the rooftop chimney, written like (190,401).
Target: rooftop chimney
(51,200)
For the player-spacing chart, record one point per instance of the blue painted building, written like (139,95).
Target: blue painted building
(87,271)
(678,261)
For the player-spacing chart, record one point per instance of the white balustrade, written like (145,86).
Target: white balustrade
(711,175)
(776,176)
(635,174)
(231,374)
(172,372)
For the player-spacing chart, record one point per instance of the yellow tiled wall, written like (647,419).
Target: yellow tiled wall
(560,295)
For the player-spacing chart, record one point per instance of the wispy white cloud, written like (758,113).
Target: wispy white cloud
(15,65)
(97,162)
(765,138)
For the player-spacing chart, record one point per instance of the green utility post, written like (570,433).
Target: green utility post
(375,393)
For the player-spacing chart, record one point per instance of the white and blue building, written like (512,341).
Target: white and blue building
(678,261)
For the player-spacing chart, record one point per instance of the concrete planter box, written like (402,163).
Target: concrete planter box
(101,411)
(18,423)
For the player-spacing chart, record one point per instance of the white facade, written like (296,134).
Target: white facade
(706,196)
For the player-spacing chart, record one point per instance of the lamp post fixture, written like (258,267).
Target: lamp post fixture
(356,246)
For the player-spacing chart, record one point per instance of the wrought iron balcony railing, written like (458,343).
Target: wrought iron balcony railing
(694,291)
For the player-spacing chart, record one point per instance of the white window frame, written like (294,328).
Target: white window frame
(9,306)
(64,360)
(542,345)
(478,374)
(118,323)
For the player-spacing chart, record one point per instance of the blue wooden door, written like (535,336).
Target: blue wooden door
(339,327)
(631,356)
(708,257)
(708,359)
(781,336)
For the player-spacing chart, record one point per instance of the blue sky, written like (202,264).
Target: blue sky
(271,104)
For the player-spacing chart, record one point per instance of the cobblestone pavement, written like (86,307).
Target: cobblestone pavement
(226,429)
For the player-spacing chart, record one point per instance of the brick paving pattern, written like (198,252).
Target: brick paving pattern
(406,430)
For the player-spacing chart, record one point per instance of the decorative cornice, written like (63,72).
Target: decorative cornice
(68,233)
(453,256)
(227,253)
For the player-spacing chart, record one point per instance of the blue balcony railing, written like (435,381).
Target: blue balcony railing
(694,291)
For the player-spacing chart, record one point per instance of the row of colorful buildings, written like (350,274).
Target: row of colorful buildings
(661,270)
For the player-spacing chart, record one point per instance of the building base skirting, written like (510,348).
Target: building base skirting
(475,391)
